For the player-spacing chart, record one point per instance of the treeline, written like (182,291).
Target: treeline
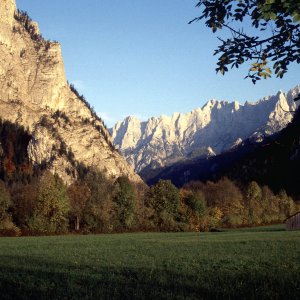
(47,206)
(95,204)
(34,201)
(225,204)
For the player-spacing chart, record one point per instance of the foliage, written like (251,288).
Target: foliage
(24,20)
(95,203)
(50,215)
(164,200)
(125,202)
(7,227)
(14,162)
(275,45)
(61,114)
(99,208)
(269,206)
(78,195)
(253,202)
(287,206)
(196,202)
(193,209)
(226,196)
(5,201)
(24,203)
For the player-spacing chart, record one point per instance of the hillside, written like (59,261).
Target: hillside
(204,132)
(65,132)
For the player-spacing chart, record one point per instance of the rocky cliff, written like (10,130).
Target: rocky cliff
(206,131)
(34,93)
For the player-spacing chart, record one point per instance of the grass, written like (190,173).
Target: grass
(235,264)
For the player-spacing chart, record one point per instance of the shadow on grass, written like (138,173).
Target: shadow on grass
(30,281)
(267,228)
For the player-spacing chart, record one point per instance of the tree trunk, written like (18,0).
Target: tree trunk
(77,223)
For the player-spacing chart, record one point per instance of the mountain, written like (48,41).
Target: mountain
(275,162)
(34,93)
(204,132)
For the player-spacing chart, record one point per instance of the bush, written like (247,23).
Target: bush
(8,228)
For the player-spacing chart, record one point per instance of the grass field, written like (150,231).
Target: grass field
(253,263)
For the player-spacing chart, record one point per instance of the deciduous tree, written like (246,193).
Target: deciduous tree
(99,208)
(253,203)
(273,43)
(125,202)
(52,205)
(79,195)
(164,200)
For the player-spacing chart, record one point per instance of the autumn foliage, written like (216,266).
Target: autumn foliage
(35,201)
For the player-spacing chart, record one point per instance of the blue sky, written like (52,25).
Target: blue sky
(140,57)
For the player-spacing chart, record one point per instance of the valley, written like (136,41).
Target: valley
(188,206)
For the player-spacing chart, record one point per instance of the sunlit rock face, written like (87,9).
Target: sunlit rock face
(33,88)
(206,131)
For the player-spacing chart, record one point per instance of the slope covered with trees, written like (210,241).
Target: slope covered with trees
(34,201)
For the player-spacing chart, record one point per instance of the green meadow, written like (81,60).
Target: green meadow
(258,263)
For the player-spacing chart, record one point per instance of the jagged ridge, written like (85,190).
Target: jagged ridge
(206,131)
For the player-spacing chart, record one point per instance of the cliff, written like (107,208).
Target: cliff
(34,93)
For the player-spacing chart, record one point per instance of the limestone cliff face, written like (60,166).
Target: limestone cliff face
(206,131)
(34,93)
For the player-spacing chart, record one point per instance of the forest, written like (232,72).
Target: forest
(34,201)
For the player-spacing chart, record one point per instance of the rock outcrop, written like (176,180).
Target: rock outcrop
(34,93)
(210,130)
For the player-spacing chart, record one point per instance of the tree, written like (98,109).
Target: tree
(79,195)
(164,199)
(5,201)
(286,204)
(276,42)
(7,227)
(125,200)
(253,203)
(196,202)
(52,206)
(270,207)
(99,208)
(193,209)
(24,203)
(229,200)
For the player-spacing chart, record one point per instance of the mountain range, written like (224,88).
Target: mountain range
(64,133)
(203,132)
(273,161)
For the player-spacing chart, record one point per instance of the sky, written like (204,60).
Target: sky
(142,58)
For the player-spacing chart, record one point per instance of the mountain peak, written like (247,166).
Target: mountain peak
(130,119)
(66,133)
(217,126)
